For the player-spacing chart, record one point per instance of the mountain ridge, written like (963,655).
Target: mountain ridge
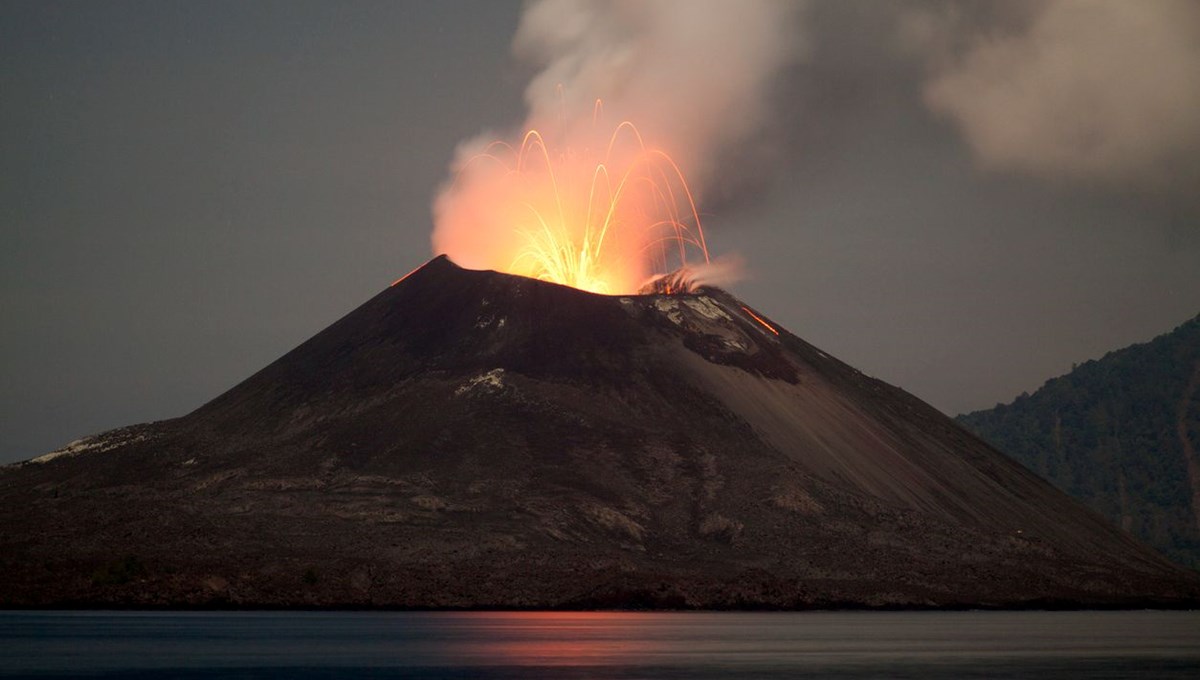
(474,439)
(1120,433)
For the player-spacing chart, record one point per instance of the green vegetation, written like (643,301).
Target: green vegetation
(1117,434)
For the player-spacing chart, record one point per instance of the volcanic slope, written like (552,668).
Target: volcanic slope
(474,439)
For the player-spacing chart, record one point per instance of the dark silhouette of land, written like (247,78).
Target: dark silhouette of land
(1121,434)
(474,439)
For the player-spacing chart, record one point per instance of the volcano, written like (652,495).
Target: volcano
(476,439)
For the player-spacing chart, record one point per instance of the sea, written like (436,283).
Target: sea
(309,644)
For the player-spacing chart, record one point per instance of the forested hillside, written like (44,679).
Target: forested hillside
(1122,434)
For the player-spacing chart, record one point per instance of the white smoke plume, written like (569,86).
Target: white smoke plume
(694,76)
(691,72)
(1099,90)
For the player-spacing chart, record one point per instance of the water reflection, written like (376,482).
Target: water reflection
(600,644)
(746,639)
(558,638)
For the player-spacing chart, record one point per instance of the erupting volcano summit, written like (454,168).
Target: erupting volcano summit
(475,439)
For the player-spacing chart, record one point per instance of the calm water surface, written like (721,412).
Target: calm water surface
(600,645)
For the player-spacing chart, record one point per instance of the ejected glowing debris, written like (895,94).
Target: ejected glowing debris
(603,216)
(760,320)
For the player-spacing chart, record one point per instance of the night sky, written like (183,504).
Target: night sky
(189,190)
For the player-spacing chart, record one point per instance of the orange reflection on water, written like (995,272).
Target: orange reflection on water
(561,638)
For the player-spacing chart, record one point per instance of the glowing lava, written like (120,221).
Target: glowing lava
(760,320)
(604,216)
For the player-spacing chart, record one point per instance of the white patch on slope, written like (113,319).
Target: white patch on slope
(97,443)
(486,321)
(706,307)
(734,344)
(492,380)
(670,308)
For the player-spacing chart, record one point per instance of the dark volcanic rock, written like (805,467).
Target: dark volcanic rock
(472,439)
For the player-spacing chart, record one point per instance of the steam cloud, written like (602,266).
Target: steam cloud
(693,75)
(1105,90)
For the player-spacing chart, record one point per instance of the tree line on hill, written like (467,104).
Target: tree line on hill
(1121,434)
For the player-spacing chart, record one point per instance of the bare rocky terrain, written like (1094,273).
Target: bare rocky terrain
(473,439)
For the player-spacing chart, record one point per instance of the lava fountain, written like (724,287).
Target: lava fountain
(607,208)
(612,215)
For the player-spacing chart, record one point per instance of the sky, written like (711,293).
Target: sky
(962,199)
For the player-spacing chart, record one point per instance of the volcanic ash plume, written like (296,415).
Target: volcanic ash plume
(1105,90)
(633,107)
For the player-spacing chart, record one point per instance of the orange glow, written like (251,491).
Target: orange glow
(562,638)
(760,320)
(406,275)
(604,214)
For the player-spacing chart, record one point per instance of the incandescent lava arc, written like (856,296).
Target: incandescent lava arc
(606,213)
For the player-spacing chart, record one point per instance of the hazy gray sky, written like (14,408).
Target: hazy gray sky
(188,190)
